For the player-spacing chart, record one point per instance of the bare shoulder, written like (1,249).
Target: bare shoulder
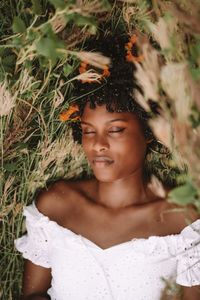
(55,200)
(177,217)
(60,198)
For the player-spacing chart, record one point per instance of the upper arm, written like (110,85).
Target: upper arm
(191,293)
(36,279)
(51,203)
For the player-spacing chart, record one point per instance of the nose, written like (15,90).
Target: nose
(100,143)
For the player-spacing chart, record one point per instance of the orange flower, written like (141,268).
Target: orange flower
(133,39)
(132,58)
(129,57)
(106,72)
(72,113)
(128,46)
(84,64)
(83,68)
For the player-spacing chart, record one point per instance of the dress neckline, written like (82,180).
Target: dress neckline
(93,244)
(79,236)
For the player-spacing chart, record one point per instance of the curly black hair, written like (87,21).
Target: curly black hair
(117,91)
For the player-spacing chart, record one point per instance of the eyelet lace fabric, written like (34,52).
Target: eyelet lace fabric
(188,255)
(137,269)
(35,244)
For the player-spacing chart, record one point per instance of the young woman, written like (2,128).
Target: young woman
(109,237)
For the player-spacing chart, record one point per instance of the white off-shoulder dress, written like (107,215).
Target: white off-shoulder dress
(133,270)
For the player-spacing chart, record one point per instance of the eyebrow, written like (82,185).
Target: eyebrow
(111,121)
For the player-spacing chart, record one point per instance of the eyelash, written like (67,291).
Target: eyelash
(113,131)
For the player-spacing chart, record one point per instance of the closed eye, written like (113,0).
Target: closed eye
(118,130)
(110,131)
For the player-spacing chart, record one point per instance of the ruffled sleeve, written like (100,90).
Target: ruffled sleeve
(188,255)
(34,245)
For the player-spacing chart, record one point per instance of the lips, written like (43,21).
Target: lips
(102,160)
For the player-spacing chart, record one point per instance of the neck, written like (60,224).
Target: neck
(124,192)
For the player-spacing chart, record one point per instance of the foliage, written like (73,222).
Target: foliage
(169,74)
(38,55)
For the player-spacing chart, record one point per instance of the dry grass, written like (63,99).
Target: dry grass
(36,148)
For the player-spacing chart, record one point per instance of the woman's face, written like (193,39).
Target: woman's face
(114,143)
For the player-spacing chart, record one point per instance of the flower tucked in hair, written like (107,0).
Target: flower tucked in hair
(83,68)
(72,114)
(130,57)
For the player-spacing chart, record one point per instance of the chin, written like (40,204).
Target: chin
(108,180)
(106,177)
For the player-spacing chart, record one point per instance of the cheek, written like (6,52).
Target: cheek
(131,154)
(138,146)
(134,144)
(87,146)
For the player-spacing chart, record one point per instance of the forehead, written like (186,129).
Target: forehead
(100,114)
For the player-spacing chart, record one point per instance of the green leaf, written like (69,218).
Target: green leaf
(49,47)
(35,85)
(47,29)
(44,62)
(58,3)
(184,194)
(67,69)
(18,25)
(32,35)
(17,41)
(37,7)
(80,20)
